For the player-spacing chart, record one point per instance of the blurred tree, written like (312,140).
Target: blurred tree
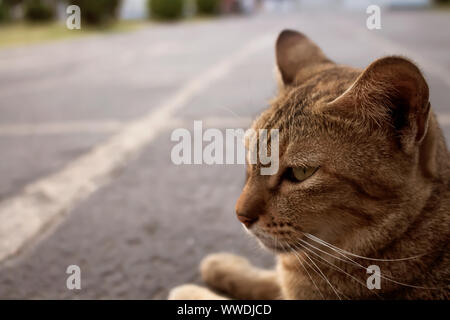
(39,10)
(4,12)
(12,9)
(208,6)
(12,2)
(97,12)
(166,9)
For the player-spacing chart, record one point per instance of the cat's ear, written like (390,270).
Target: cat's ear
(294,53)
(390,91)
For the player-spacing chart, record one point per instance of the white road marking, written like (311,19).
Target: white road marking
(24,129)
(41,203)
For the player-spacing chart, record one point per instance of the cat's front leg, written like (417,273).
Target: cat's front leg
(236,277)
(193,292)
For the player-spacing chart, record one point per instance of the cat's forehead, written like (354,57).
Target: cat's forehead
(292,109)
(296,113)
(298,103)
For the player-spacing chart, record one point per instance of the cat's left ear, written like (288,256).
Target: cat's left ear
(297,57)
(391,90)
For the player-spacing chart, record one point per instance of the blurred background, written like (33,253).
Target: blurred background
(86,117)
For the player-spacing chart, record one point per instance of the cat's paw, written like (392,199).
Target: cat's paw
(220,270)
(237,278)
(193,292)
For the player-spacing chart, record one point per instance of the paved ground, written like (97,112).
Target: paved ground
(142,224)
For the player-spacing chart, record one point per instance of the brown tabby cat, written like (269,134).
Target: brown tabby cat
(363,180)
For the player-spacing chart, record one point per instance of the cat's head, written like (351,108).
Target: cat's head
(355,149)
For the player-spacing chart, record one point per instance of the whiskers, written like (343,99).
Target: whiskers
(333,266)
(314,267)
(324,243)
(342,255)
(309,275)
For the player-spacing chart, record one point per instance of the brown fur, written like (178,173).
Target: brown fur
(381,190)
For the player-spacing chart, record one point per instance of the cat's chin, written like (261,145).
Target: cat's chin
(274,246)
(270,243)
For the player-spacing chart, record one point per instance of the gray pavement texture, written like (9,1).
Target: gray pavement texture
(147,230)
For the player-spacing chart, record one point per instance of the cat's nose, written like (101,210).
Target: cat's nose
(246,220)
(250,205)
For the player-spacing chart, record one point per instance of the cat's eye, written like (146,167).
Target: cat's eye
(300,174)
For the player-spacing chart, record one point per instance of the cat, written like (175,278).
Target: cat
(362,191)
